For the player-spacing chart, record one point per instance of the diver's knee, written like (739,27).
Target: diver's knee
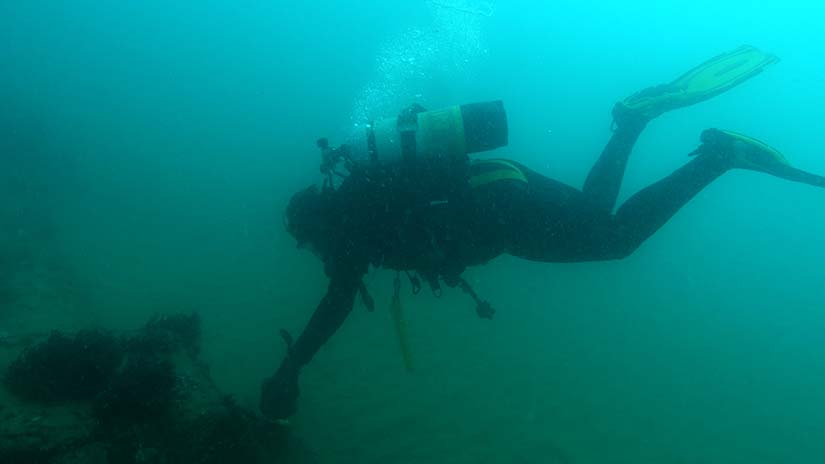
(621,250)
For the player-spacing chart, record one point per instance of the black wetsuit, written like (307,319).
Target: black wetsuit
(541,220)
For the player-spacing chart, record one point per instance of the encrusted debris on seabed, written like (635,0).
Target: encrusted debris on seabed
(143,397)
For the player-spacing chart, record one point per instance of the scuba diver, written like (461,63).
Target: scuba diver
(411,200)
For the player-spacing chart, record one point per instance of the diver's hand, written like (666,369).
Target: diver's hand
(279,393)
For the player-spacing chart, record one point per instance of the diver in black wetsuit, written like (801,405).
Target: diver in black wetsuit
(486,208)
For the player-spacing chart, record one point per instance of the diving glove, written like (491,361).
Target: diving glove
(279,393)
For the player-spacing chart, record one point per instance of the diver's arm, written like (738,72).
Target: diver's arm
(328,316)
(279,393)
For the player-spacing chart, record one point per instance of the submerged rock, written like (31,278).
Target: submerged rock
(65,368)
(150,399)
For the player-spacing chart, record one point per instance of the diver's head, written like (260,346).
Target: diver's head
(306,218)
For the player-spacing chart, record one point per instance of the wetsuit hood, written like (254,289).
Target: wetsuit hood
(306,217)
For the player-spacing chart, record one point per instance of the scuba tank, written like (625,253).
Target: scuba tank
(446,135)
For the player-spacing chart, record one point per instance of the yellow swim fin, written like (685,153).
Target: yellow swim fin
(714,76)
(746,152)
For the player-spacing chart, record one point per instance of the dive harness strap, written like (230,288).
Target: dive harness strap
(407,124)
(415,282)
(366,298)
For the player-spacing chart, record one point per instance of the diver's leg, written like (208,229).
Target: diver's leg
(554,223)
(648,210)
(605,178)
(542,220)
(550,224)
(630,115)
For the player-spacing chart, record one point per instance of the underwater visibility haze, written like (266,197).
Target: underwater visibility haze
(149,150)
